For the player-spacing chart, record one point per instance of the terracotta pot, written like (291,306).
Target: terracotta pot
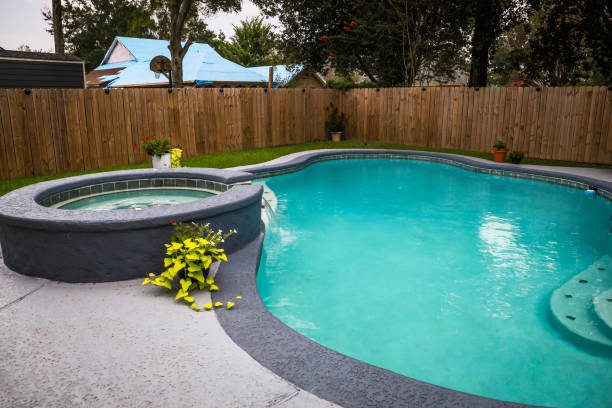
(499,155)
(336,136)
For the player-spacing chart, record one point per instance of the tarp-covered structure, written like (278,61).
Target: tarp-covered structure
(126,64)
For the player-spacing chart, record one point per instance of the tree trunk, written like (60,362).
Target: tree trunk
(58,32)
(178,12)
(487,18)
(177,62)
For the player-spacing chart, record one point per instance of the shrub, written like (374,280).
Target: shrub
(156,147)
(175,158)
(336,121)
(190,253)
(499,145)
(516,157)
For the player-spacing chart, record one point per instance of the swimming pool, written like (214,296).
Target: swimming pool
(438,274)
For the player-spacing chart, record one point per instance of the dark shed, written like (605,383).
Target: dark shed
(22,69)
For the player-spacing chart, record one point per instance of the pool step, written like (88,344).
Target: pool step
(576,304)
(603,309)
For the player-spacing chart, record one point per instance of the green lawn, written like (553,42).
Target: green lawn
(239,158)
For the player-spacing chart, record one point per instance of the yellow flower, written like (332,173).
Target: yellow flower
(213,288)
(239,297)
(145,281)
(208,306)
(218,304)
(196,307)
(229,305)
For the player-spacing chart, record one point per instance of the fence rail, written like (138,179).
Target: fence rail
(57,130)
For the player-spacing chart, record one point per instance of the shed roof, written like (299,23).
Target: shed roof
(44,56)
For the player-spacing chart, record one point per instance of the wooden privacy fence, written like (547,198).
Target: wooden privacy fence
(57,130)
(569,123)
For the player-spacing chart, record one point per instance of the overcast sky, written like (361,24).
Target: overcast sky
(21,22)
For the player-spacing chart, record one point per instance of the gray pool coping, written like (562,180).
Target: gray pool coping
(324,372)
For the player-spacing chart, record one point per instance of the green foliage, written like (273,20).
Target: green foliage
(570,42)
(253,44)
(559,43)
(341,84)
(499,144)
(397,43)
(348,84)
(516,157)
(510,56)
(336,120)
(192,250)
(156,147)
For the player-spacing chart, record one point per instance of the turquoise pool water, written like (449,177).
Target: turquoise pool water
(136,199)
(439,274)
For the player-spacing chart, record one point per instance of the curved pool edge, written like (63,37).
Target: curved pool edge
(311,366)
(322,371)
(297,161)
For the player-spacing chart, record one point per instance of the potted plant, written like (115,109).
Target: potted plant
(159,150)
(499,151)
(335,124)
(190,254)
(515,156)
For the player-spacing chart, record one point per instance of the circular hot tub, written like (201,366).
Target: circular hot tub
(112,226)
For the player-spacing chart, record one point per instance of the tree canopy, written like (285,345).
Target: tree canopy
(401,42)
(252,44)
(394,43)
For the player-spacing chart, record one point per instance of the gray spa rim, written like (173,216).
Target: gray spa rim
(100,246)
(315,368)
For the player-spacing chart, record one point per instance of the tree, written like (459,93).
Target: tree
(490,19)
(510,55)
(179,11)
(394,43)
(91,25)
(560,43)
(570,42)
(58,32)
(252,44)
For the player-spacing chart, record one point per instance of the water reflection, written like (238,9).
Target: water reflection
(508,264)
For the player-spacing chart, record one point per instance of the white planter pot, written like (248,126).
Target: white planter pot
(162,162)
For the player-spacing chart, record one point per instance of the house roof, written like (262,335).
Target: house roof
(201,65)
(43,56)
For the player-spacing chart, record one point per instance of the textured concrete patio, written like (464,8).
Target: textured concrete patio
(123,345)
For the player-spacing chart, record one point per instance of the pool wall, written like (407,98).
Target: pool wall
(316,368)
(100,246)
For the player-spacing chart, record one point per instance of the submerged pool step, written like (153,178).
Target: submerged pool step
(577,305)
(602,304)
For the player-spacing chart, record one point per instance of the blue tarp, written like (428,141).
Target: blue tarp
(201,65)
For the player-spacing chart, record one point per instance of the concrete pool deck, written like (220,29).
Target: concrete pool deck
(121,344)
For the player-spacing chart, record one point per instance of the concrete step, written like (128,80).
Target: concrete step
(572,305)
